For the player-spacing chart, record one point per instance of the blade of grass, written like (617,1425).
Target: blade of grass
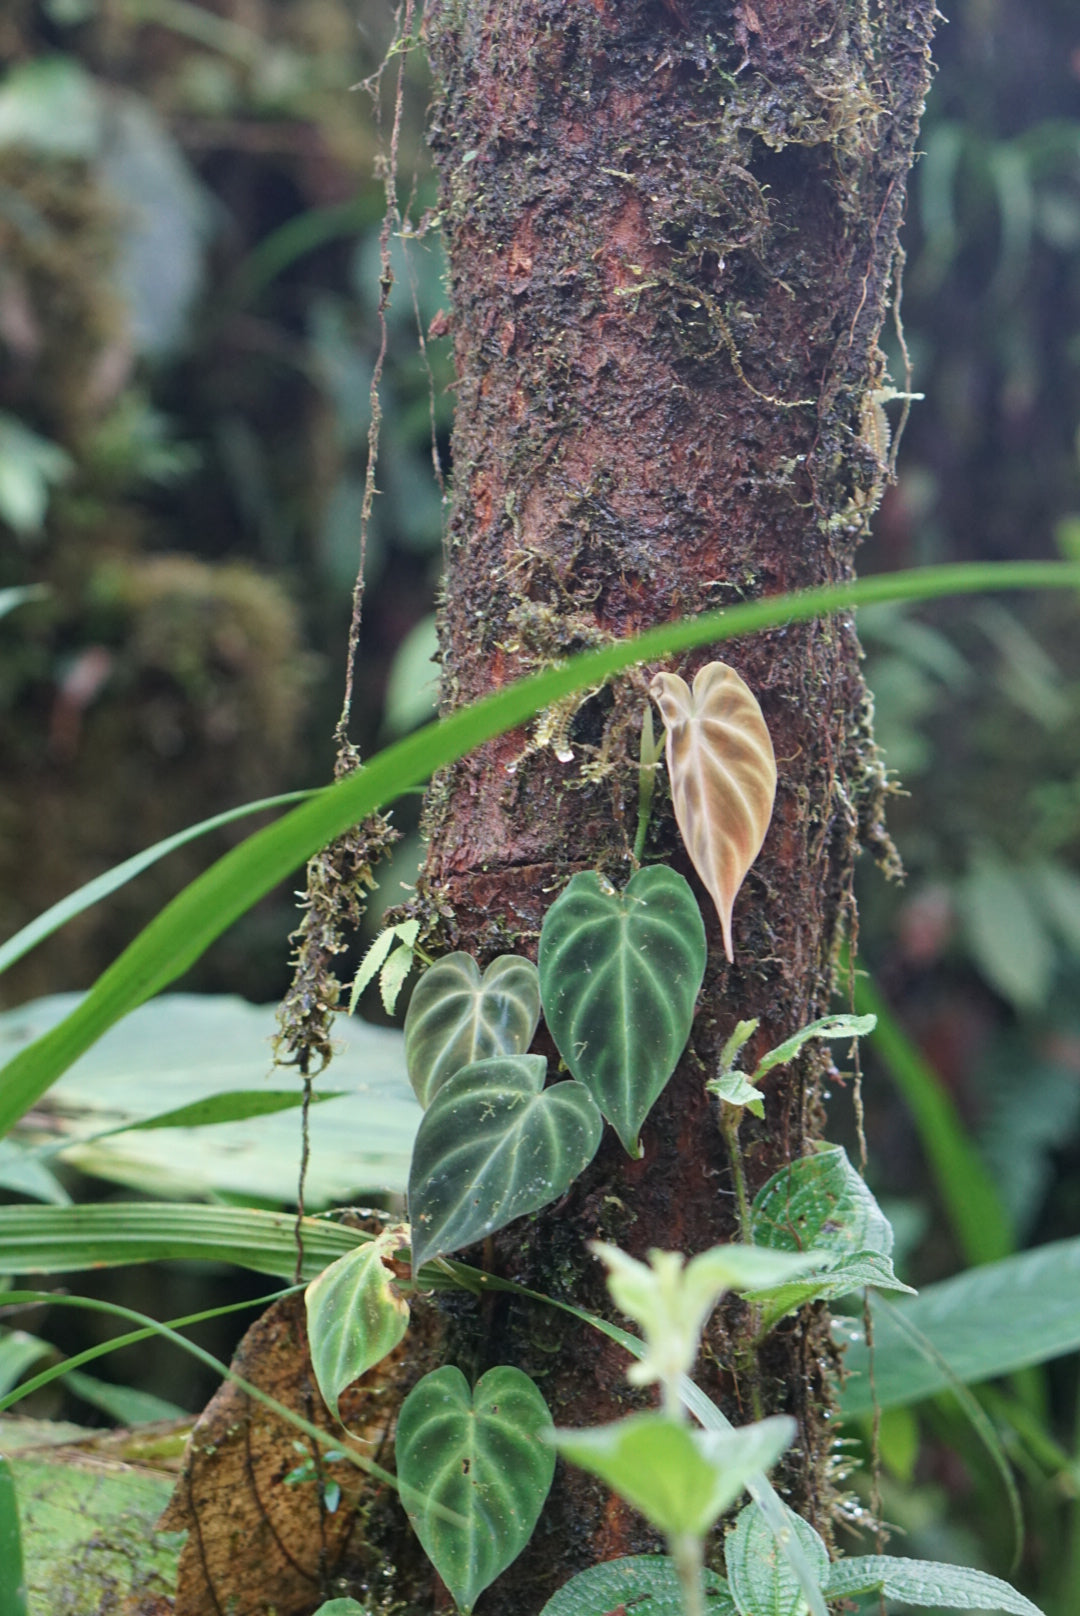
(967,1191)
(12,1578)
(102,886)
(185,928)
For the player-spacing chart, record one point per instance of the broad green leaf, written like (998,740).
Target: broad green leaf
(341,1607)
(124,1404)
(89,1532)
(826,1027)
(23,1172)
(926,1582)
(619,978)
(187,1050)
(355,1316)
(1005,932)
(964,1185)
(68,1239)
(986,1322)
(102,886)
(671,1299)
(12,1580)
(482,1454)
(645,1584)
(852,1272)
(493,1145)
(457,1017)
(762,1581)
(185,928)
(18,1353)
(680,1478)
(722,773)
(821,1201)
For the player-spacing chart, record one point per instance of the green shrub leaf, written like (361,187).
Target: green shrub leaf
(760,1575)
(458,1017)
(647,1584)
(355,1316)
(481,1454)
(820,1201)
(680,1478)
(925,1582)
(852,1273)
(619,977)
(494,1145)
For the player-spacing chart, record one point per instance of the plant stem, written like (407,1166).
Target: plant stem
(686,1551)
(730,1117)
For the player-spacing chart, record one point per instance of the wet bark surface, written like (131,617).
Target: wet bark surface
(671,231)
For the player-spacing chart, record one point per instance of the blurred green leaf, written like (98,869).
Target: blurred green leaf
(1005,933)
(645,1584)
(18,1353)
(412,687)
(124,1404)
(12,1578)
(51,106)
(30,467)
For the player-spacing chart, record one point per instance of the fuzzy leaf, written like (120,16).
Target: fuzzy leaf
(457,1017)
(619,978)
(482,1454)
(680,1478)
(723,776)
(761,1578)
(494,1145)
(355,1316)
(827,1027)
(736,1088)
(646,1584)
(926,1582)
(820,1201)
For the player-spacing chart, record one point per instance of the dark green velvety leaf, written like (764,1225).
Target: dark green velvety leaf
(481,1454)
(644,1584)
(458,1017)
(619,978)
(494,1145)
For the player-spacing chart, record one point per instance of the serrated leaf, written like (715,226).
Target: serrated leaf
(355,1316)
(926,1582)
(819,1201)
(841,1026)
(723,776)
(619,978)
(393,974)
(493,1145)
(457,1017)
(481,1454)
(644,1584)
(852,1273)
(375,960)
(680,1478)
(760,1576)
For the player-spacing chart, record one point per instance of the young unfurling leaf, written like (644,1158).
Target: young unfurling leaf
(723,776)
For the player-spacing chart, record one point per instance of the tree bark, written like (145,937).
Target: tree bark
(672,230)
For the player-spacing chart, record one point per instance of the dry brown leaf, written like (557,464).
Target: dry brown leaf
(723,776)
(258,1542)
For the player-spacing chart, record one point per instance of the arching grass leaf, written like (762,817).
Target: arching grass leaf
(355,1316)
(12,1581)
(481,1454)
(925,1582)
(494,1145)
(646,1584)
(680,1478)
(457,1017)
(723,776)
(760,1576)
(619,977)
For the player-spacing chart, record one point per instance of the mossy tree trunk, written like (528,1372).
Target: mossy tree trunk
(672,230)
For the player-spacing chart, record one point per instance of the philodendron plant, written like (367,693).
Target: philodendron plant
(616,982)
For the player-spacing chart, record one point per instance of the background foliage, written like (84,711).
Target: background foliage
(188,283)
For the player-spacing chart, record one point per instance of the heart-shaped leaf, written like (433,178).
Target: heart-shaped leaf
(355,1316)
(457,1017)
(820,1201)
(760,1576)
(681,1479)
(619,977)
(723,776)
(481,1454)
(494,1145)
(647,1584)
